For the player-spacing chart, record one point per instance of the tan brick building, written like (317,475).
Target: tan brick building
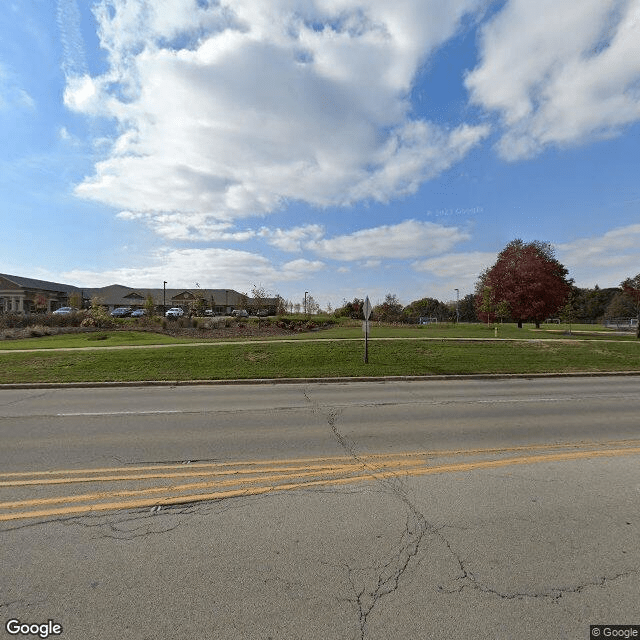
(26,295)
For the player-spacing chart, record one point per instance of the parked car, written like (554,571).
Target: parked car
(138,313)
(121,312)
(240,313)
(63,311)
(174,312)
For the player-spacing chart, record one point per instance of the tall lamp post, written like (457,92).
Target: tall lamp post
(305,302)
(457,306)
(164,298)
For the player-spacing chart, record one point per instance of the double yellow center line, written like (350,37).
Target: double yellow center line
(141,486)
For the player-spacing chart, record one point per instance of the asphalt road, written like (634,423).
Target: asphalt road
(436,509)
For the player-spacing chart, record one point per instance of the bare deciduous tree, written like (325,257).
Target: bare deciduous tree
(260,296)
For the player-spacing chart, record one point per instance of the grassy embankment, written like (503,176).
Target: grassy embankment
(437,352)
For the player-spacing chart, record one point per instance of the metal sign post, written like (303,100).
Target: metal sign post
(367,313)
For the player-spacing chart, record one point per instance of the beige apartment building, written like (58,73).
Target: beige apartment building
(27,295)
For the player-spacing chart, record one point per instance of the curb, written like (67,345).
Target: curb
(257,381)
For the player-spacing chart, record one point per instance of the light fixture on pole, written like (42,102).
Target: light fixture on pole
(164,297)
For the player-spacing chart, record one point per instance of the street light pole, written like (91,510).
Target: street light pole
(305,302)
(457,306)
(164,298)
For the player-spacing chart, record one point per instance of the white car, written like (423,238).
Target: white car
(174,312)
(64,311)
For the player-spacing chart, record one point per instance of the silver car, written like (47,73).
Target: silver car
(63,311)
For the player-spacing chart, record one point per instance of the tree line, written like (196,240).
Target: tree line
(526,284)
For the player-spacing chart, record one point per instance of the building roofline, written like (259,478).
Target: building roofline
(33,283)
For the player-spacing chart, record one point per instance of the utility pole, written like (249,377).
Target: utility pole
(457,306)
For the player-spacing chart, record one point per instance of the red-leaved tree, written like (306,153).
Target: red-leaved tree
(631,288)
(527,280)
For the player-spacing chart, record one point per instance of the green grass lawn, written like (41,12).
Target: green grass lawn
(319,359)
(93,339)
(446,330)
(345,330)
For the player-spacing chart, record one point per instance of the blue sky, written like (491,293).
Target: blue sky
(340,147)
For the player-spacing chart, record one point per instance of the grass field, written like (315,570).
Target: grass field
(445,330)
(345,330)
(94,339)
(321,358)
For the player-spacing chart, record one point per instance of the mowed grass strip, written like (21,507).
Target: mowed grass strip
(93,339)
(318,359)
(346,329)
(470,331)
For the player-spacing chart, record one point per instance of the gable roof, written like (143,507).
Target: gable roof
(122,296)
(31,283)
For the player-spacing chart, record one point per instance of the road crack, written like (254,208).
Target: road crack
(22,603)
(553,593)
(33,396)
(387,577)
(368,593)
(140,524)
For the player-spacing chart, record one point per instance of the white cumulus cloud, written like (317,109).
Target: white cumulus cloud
(196,227)
(605,260)
(232,109)
(453,271)
(466,266)
(408,239)
(292,240)
(559,71)
(212,268)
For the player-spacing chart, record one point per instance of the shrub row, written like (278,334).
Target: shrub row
(302,324)
(194,323)
(23,321)
(16,325)
(34,331)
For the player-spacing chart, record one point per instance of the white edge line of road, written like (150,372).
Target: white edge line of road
(154,412)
